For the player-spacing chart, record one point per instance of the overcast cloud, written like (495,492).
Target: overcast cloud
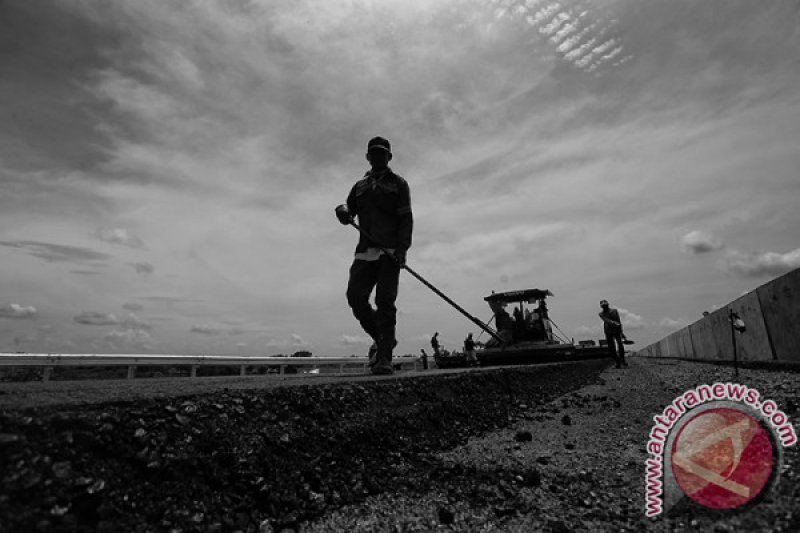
(182,160)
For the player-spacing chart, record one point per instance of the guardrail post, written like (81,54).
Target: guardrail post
(46,373)
(131,371)
(194,371)
(243,370)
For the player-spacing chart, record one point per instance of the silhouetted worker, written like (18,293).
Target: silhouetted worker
(503,323)
(382,202)
(435,343)
(469,350)
(544,317)
(542,310)
(612,326)
(519,324)
(424,360)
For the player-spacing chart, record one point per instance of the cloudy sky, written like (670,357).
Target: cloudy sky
(168,170)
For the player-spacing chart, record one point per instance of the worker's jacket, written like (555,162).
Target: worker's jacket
(382,203)
(611,329)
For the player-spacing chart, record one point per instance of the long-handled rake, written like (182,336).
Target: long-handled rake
(443,296)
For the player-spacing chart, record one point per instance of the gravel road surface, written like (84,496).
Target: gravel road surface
(577,463)
(551,448)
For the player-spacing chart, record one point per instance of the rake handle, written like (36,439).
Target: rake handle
(442,295)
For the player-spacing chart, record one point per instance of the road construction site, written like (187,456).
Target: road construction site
(558,447)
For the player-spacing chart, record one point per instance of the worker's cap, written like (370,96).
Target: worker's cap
(603,302)
(379,143)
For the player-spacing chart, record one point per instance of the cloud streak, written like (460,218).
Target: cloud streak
(673,324)
(57,252)
(137,339)
(119,236)
(94,318)
(292,341)
(700,242)
(17,311)
(761,264)
(143,268)
(580,33)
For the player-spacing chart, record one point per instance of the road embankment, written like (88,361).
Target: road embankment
(540,448)
(243,454)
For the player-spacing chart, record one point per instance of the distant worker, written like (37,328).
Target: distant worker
(542,310)
(519,324)
(544,317)
(382,202)
(435,343)
(503,322)
(612,326)
(424,358)
(469,350)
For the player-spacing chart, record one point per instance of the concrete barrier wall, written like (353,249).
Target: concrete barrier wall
(753,344)
(779,305)
(685,344)
(771,314)
(672,345)
(704,338)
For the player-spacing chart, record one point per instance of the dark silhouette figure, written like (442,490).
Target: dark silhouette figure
(469,350)
(382,202)
(435,343)
(612,326)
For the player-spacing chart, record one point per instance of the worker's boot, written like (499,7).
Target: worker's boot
(383,356)
(373,354)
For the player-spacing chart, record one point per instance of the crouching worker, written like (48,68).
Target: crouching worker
(382,202)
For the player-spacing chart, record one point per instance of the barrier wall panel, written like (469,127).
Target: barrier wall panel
(703,338)
(672,345)
(685,344)
(780,307)
(772,317)
(753,344)
(721,331)
(663,347)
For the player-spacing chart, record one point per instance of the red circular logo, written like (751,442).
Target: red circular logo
(722,458)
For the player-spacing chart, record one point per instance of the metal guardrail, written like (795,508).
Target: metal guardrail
(48,361)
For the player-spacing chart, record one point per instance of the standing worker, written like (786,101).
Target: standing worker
(612,326)
(435,343)
(469,350)
(382,202)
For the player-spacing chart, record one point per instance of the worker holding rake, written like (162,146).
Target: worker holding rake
(382,202)
(612,326)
